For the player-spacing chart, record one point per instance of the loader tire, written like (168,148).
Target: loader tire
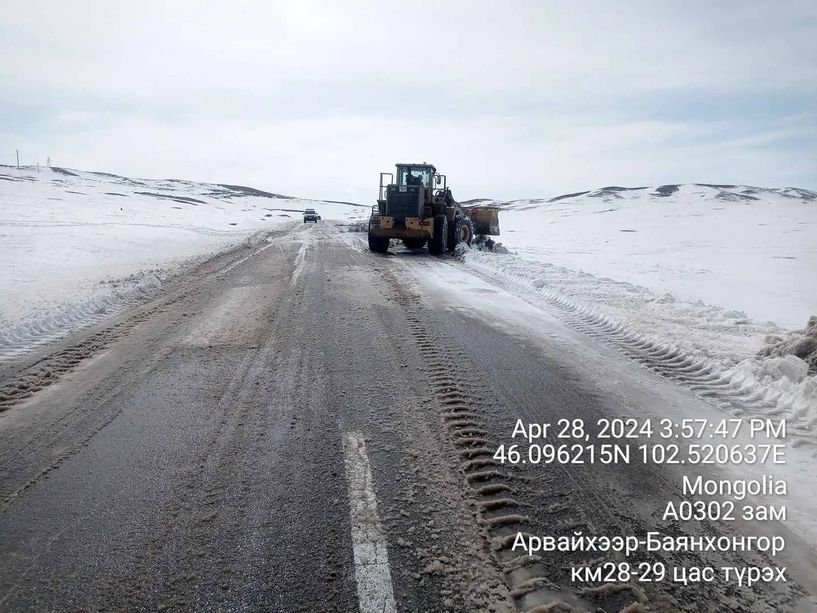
(438,242)
(414,243)
(378,244)
(461,231)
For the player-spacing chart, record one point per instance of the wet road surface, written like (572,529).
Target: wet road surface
(300,425)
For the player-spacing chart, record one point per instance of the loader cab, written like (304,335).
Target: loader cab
(413,191)
(416,174)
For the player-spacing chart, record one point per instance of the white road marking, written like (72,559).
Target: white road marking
(244,259)
(372,573)
(300,261)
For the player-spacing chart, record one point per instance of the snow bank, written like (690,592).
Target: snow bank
(79,246)
(800,344)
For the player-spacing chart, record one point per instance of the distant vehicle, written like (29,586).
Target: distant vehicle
(311,215)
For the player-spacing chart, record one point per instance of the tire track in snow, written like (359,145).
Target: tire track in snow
(489,484)
(729,389)
(48,370)
(26,337)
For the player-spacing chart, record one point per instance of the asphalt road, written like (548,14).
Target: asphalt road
(300,425)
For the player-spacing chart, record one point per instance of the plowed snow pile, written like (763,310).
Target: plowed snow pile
(716,277)
(77,246)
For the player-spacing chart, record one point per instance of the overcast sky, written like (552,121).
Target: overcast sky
(509,98)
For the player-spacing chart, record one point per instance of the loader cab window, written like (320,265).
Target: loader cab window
(413,175)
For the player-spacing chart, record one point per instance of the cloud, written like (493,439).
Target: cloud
(510,98)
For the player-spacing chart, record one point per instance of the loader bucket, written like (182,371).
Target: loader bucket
(485,218)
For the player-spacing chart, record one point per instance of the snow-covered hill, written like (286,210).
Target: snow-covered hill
(77,246)
(750,250)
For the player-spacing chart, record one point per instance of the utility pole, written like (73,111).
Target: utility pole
(48,161)
(18,159)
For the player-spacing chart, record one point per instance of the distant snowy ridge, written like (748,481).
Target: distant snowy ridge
(733,193)
(216,190)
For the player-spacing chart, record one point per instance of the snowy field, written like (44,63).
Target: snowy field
(77,246)
(697,278)
(746,249)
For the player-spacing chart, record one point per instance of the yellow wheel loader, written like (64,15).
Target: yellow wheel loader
(415,205)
